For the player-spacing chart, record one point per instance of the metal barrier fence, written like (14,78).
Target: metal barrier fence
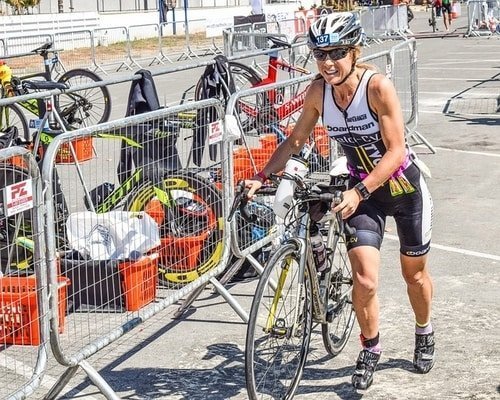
(24,294)
(189,203)
(125,48)
(109,295)
(483,18)
(384,22)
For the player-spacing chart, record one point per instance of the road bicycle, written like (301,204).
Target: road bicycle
(84,107)
(246,77)
(269,111)
(291,295)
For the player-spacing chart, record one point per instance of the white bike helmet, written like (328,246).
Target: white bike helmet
(336,29)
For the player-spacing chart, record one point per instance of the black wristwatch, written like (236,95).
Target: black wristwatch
(362,190)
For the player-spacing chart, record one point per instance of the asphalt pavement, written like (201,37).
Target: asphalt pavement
(201,356)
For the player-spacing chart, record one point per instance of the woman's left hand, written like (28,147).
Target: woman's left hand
(349,203)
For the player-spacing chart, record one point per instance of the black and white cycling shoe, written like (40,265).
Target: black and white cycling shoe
(423,358)
(365,368)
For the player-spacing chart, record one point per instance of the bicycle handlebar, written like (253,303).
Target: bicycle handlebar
(241,200)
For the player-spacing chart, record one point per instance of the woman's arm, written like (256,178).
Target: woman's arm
(293,143)
(384,101)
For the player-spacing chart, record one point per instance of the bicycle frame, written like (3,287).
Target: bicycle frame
(49,64)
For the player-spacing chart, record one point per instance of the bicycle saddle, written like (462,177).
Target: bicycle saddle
(278,42)
(43,48)
(44,85)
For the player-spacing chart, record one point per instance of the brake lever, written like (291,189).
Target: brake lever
(338,196)
(238,194)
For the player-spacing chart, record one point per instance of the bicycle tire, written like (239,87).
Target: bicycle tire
(85,107)
(12,115)
(340,308)
(195,245)
(244,77)
(279,375)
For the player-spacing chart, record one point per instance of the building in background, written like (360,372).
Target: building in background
(113,6)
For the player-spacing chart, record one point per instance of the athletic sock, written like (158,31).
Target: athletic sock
(423,329)
(372,345)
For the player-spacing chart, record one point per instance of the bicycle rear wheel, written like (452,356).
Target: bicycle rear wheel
(190,223)
(85,107)
(244,77)
(12,115)
(279,328)
(340,309)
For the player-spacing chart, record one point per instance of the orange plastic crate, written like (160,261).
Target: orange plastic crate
(139,281)
(83,150)
(182,254)
(19,310)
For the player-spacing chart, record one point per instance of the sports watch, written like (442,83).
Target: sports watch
(362,190)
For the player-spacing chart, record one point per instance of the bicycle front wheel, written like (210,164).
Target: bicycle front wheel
(340,314)
(279,328)
(190,221)
(85,107)
(12,115)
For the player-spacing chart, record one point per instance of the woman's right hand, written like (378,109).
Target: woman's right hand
(254,184)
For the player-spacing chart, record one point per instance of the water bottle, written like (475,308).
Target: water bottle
(296,166)
(319,252)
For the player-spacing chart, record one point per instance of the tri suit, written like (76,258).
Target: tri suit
(404,196)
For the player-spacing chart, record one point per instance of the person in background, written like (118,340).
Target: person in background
(446,10)
(256,7)
(361,111)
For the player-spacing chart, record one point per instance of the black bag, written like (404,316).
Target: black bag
(158,152)
(216,82)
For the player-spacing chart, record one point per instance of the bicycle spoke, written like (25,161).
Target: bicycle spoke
(279,329)
(340,310)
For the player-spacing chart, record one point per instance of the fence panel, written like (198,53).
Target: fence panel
(24,310)
(22,45)
(481,17)
(77,46)
(145,44)
(111,49)
(159,171)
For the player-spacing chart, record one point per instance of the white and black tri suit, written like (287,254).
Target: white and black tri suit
(404,196)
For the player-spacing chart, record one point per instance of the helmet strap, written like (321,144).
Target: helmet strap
(347,76)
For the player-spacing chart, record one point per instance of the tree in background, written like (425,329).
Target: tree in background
(22,6)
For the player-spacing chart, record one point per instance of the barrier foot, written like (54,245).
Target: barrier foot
(231,271)
(98,381)
(189,300)
(420,139)
(230,299)
(61,383)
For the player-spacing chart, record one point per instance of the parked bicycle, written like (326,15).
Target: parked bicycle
(77,109)
(291,295)
(270,112)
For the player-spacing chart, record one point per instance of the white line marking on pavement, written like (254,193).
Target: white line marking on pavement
(456,69)
(478,153)
(455,250)
(477,115)
(46,382)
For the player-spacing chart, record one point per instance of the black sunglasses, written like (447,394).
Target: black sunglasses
(334,54)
